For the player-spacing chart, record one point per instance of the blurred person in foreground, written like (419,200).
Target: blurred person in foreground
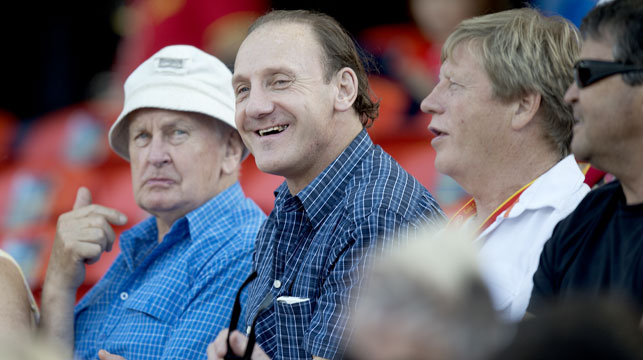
(28,348)
(427,301)
(598,249)
(582,328)
(303,104)
(172,287)
(19,312)
(502,131)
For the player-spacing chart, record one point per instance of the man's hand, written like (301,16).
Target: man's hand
(238,342)
(81,237)
(104,355)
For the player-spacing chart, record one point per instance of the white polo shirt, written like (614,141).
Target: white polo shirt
(510,247)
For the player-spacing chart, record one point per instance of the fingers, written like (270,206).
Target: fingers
(83,198)
(213,353)
(238,342)
(104,355)
(111,215)
(218,348)
(81,237)
(83,207)
(106,237)
(93,229)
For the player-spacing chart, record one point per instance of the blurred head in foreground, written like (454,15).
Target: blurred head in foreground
(427,301)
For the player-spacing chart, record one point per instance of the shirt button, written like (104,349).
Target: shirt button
(276,284)
(124,296)
(248,330)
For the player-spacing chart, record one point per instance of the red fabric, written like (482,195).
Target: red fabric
(8,131)
(155,24)
(593,176)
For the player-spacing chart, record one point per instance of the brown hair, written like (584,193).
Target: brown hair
(339,50)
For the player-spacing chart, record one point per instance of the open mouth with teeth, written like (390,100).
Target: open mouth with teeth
(272,130)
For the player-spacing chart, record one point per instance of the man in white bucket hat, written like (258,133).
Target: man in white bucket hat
(172,287)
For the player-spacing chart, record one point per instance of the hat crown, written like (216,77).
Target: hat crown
(179,78)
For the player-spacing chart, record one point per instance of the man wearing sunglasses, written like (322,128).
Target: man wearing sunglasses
(599,247)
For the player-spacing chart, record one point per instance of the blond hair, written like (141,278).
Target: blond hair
(525,52)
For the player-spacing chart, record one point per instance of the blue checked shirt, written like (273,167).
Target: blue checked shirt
(170,300)
(313,249)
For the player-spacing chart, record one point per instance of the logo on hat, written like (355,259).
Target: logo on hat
(175,65)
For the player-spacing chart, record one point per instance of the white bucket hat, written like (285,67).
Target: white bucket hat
(180,78)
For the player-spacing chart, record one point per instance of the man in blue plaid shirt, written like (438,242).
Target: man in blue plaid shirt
(302,106)
(171,289)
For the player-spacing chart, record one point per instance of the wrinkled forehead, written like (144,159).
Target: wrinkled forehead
(154,118)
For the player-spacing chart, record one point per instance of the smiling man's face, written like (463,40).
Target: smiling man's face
(284,106)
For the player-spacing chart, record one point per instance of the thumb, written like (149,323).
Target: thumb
(104,355)
(83,198)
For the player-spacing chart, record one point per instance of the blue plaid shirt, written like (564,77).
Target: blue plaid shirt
(313,249)
(170,300)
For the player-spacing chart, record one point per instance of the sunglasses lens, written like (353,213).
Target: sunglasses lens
(583,75)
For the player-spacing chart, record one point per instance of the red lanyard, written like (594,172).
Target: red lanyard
(469,209)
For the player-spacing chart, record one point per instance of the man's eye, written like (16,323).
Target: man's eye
(179,132)
(454,85)
(242,89)
(141,139)
(281,83)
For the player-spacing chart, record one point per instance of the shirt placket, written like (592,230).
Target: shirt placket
(133,282)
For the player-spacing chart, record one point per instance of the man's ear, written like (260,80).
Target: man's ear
(347,86)
(233,152)
(526,110)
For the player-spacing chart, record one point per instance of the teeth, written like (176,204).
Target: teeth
(273,130)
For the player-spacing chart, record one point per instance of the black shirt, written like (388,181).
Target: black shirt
(597,249)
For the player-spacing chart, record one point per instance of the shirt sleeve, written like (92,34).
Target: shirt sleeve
(328,331)
(210,307)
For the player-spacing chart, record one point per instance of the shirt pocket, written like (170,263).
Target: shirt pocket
(153,302)
(293,321)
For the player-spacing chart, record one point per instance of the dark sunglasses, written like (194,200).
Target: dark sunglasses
(587,72)
(234,320)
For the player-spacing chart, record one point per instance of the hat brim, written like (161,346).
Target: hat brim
(169,96)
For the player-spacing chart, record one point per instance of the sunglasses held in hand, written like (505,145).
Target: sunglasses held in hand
(236,313)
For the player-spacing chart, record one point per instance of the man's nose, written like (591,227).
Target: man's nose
(430,104)
(158,154)
(259,104)
(571,95)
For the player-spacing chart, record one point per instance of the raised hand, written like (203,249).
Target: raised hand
(81,237)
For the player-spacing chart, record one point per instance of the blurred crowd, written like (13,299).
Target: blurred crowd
(43,160)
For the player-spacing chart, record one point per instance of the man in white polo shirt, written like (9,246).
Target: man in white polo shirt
(502,131)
